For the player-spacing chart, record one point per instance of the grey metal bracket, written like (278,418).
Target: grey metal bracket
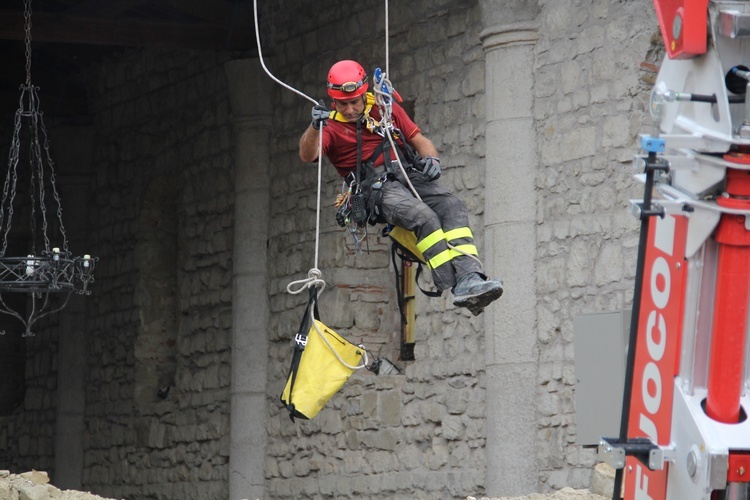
(611,455)
(661,455)
(613,452)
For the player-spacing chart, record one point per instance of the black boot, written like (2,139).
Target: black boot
(475,292)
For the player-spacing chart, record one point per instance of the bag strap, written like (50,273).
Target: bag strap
(300,340)
(406,255)
(429,293)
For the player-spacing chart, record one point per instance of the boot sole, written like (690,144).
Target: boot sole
(477,303)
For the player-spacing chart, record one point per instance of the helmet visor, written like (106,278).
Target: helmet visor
(348,87)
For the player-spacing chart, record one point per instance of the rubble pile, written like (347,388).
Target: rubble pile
(563,494)
(34,485)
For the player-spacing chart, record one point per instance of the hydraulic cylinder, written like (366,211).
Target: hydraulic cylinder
(729,330)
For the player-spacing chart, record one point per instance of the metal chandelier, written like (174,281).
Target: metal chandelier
(47,274)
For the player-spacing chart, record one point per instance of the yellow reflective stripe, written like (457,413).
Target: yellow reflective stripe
(440,259)
(459,250)
(459,232)
(429,240)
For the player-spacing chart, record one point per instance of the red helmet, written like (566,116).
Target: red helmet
(347,80)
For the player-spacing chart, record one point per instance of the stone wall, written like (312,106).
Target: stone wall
(157,394)
(594,63)
(594,68)
(25,433)
(159,322)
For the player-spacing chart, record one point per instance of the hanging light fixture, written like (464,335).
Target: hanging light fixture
(48,274)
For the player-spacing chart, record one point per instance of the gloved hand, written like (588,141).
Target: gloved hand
(319,115)
(430,168)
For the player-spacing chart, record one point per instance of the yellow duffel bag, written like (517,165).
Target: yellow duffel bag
(322,362)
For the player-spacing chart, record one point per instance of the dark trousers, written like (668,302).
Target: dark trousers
(438,210)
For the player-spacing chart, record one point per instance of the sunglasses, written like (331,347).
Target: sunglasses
(348,86)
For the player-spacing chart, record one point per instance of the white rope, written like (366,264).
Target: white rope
(314,271)
(341,360)
(314,275)
(384,100)
(313,280)
(260,56)
(387,58)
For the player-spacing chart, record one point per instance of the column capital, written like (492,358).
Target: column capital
(504,35)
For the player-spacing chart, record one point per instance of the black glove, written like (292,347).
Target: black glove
(319,115)
(430,168)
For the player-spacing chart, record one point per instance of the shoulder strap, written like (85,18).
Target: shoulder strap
(404,151)
(359,151)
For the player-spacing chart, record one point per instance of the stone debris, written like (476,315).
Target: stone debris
(33,485)
(36,477)
(602,485)
(563,494)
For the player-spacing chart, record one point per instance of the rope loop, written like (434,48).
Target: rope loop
(314,278)
(365,359)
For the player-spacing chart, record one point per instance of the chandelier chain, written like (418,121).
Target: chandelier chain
(11,178)
(27,29)
(52,184)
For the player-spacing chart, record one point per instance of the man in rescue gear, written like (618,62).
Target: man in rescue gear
(356,145)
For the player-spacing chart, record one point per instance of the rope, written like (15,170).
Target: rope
(313,280)
(387,57)
(260,56)
(314,269)
(335,352)
(384,100)
(314,275)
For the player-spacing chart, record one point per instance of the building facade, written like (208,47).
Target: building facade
(184,180)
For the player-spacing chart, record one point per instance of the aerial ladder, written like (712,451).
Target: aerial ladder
(685,432)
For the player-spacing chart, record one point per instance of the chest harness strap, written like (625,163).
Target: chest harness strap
(369,179)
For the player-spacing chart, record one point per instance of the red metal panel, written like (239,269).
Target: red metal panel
(683,25)
(659,327)
(739,468)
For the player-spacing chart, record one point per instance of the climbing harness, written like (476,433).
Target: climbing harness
(359,202)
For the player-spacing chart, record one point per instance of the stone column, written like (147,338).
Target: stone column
(250,91)
(510,246)
(71,396)
(71,152)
